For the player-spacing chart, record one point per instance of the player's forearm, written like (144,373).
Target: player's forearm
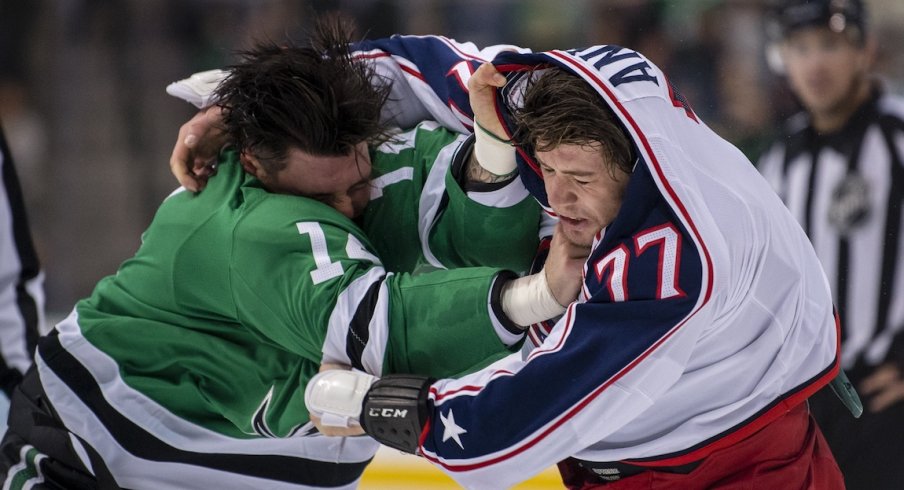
(477,174)
(445,322)
(494,151)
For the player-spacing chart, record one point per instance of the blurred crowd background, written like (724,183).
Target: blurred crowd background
(83,104)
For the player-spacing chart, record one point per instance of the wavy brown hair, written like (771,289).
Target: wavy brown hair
(313,96)
(561,108)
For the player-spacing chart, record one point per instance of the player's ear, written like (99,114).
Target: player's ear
(251,164)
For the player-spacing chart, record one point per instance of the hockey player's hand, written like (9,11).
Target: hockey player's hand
(493,159)
(564,267)
(482,95)
(883,388)
(197,146)
(334,398)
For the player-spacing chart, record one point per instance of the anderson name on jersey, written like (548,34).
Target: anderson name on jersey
(704,314)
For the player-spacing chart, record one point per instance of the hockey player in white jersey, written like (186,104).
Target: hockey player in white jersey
(704,321)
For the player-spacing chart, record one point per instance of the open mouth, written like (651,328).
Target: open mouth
(571,221)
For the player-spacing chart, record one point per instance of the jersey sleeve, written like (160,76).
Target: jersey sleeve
(343,306)
(486,224)
(585,382)
(610,357)
(421,216)
(430,77)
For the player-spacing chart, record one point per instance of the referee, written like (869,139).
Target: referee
(838,167)
(21,283)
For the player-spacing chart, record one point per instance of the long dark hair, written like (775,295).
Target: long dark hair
(313,96)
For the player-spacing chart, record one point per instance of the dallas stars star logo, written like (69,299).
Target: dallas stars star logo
(259,419)
(450,429)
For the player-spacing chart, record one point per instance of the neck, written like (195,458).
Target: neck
(834,118)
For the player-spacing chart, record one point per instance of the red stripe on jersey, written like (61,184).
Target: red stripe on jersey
(454,71)
(423,435)
(568,324)
(653,162)
(406,69)
(371,56)
(595,393)
(461,115)
(437,396)
(413,72)
(574,410)
(461,53)
(513,67)
(746,430)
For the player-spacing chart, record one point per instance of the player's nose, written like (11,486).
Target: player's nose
(557,191)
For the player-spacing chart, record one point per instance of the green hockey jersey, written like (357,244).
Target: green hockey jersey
(203,342)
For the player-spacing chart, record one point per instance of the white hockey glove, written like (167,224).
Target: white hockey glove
(337,396)
(198,89)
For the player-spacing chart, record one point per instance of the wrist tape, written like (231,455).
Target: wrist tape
(494,154)
(528,300)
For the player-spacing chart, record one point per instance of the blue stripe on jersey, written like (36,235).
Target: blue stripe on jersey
(605,339)
(644,209)
(438,61)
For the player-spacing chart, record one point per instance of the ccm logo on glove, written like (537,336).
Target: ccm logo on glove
(387,412)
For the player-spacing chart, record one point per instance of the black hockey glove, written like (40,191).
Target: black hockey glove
(395,410)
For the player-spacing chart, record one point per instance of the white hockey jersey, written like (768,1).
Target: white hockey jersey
(704,313)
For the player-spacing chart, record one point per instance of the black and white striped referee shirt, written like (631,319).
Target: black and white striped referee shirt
(21,279)
(846,189)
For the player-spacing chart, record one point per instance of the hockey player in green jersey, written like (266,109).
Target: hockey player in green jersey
(187,368)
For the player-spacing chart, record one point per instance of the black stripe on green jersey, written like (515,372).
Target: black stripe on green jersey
(259,420)
(359,327)
(144,445)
